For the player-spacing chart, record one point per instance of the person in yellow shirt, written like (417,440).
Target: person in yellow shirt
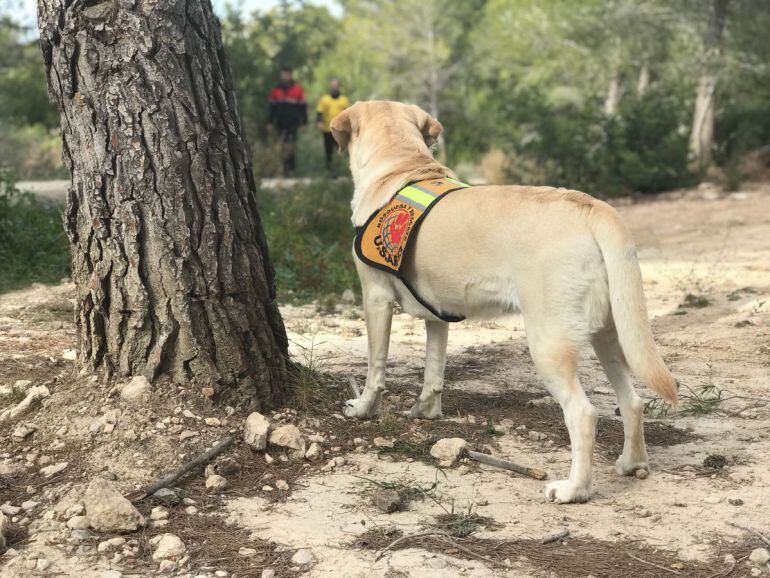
(329,106)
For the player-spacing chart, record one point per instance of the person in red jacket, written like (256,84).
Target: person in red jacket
(288,113)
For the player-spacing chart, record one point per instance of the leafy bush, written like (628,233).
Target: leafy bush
(310,237)
(31,152)
(33,246)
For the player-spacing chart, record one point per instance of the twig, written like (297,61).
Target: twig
(558,537)
(757,533)
(354,387)
(535,473)
(170,478)
(443,535)
(669,570)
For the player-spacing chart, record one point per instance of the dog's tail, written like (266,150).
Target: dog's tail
(627,302)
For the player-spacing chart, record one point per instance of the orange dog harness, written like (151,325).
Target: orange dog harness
(383,241)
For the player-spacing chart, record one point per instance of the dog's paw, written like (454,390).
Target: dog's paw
(430,409)
(563,492)
(625,466)
(358,409)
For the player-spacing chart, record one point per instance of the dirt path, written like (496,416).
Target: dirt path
(706,265)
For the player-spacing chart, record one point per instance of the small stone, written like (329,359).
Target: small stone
(382,442)
(136,389)
(10,510)
(23,430)
(269,459)
(282,485)
(69,355)
(207,392)
(388,501)
(159,513)
(247,552)
(339,461)
(289,437)
(267,488)
(167,566)
(303,558)
(314,452)
(166,497)
(191,510)
(167,546)
(712,499)
(187,434)
(79,523)
(255,431)
(735,501)
(227,467)
(759,556)
(29,505)
(448,450)
(42,564)
(536,436)
(213,421)
(50,471)
(215,483)
(729,559)
(642,474)
(268,573)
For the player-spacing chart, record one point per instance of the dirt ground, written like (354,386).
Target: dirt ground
(706,262)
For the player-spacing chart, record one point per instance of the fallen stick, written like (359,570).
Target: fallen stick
(757,533)
(669,570)
(557,537)
(170,478)
(354,387)
(535,473)
(443,535)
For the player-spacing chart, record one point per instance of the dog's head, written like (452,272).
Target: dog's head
(368,126)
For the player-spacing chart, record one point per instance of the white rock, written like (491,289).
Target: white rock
(213,421)
(42,564)
(29,505)
(111,574)
(759,556)
(79,523)
(10,510)
(536,436)
(159,513)
(448,450)
(303,557)
(69,355)
(247,552)
(50,471)
(191,510)
(268,573)
(382,442)
(282,485)
(289,437)
(215,483)
(167,566)
(187,434)
(108,510)
(314,452)
(135,389)
(34,395)
(255,431)
(167,546)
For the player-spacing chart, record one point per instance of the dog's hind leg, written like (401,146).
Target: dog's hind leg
(428,405)
(611,356)
(556,361)
(378,310)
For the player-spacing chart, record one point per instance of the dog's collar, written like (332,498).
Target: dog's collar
(383,241)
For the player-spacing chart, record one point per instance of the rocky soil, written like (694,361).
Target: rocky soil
(302,490)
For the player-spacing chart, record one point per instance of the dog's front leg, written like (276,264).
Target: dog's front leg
(378,310)
(428,405)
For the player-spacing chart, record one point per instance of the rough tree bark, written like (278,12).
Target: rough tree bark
(168,252)
(702,133)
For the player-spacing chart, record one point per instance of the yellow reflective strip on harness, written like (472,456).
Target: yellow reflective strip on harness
(417,196)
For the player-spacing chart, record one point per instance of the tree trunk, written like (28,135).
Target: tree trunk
(168,252)
(612,99)
(643,82)
(702,133)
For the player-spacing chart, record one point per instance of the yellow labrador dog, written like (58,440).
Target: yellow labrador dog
(565,260)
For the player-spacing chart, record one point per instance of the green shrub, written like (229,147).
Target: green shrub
(33,246)
(31,151)
(310,237)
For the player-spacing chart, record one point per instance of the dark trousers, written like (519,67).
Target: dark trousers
(329,145)
(288,149)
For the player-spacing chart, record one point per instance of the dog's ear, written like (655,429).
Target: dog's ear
(342,128)
(431,130)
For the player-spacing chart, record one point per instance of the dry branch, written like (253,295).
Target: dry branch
(172,477)
(535,473)
(557,537)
